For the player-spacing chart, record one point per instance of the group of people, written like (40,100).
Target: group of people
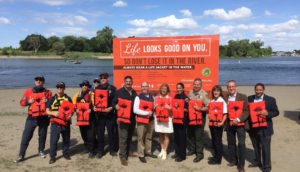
(122,111)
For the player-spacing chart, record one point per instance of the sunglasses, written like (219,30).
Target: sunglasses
(60,87)
(39,79)
(103,77)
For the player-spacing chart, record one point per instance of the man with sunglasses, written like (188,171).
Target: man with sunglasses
(57,129)
(36,116)
(106,118)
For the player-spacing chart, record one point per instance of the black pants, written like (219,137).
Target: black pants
(262,148)
(180,140)
(195,138)
(56,131)
(108,122)
(88,135)
(30,125)
(125,135)
(216,138)
(236,154)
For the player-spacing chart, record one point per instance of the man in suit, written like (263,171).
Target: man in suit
(261,137)
(237,157)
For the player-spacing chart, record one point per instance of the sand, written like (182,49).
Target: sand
(285,141)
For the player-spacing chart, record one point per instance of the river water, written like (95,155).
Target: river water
(19,73)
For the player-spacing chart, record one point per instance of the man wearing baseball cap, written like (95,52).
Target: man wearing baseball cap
(35,99)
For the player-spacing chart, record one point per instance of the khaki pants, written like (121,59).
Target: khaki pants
(144,133)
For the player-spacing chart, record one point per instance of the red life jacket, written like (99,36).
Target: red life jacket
(195,117)
(83,115)
(257,119)
(124,112)
(178,113)
(101,100)
(65,112)
(146,106)
(162,114)
(38,107)
(235,110)
(215,110)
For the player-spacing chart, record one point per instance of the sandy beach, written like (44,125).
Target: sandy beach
(285,141)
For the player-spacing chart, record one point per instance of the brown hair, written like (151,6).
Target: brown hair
(164,85)
(216,88)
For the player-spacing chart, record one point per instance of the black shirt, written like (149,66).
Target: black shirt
(124,94)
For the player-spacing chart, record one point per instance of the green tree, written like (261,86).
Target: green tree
(103,42)
(51,40)
(34,43)
(59,47)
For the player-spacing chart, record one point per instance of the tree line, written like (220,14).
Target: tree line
(103,42)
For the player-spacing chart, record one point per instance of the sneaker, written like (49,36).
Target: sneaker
(143,159)
(19,159)
(99,155)
(42,154)
(67,157)
(124,162)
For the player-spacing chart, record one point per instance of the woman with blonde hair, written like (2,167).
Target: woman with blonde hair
(162,119)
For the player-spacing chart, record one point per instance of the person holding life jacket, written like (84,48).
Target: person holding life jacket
(217,110)
(143,108)
(163,123)
(261,136)
(60,108)
(85,119)
(236,153)
(35,99)
(123,103)
(195,130)
(105,115)
(180,122)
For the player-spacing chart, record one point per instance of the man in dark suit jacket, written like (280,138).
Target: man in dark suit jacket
(261,137)
(237,158)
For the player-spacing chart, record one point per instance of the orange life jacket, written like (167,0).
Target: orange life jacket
(124,112)
(162,114)
(101,100)
(146,106)
(195,117)
(38,107)
(257,119)
(65,112)
(235,110)
(215,110)
(83,115)
(178,112)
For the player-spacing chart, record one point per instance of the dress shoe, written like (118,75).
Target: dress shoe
(197,159)
(231,164)
(177,159)
(143,159)
(19,159)
(124,162)
(113,153)
(211,158)
(52,160)
(91,155)
(190,153)
(174,156)
(252,165)
(99,155)
(241,169)
(67,157)
(214,162)
(151,155)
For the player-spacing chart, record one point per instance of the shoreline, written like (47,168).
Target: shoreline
(51,57)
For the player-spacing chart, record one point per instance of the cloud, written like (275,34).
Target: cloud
(220,13)
(76,31)
(258,35)
(226,29)
(268,13)
(186,13)
(149,7)
(61,18)
(168,22)
(4,20)
(54,2)
(136,31)
(119,4)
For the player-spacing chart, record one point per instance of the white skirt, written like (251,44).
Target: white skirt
(163,127)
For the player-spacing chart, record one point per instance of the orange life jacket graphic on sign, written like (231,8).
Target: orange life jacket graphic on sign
(65,112)
(178,112)
(257,119)
(38,107)
(83,115)
(124,112)
(215,110)
(101,100)
(146,106)
(195,117)
(162,114)
(235,110)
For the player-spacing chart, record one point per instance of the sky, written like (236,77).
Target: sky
(275,22)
